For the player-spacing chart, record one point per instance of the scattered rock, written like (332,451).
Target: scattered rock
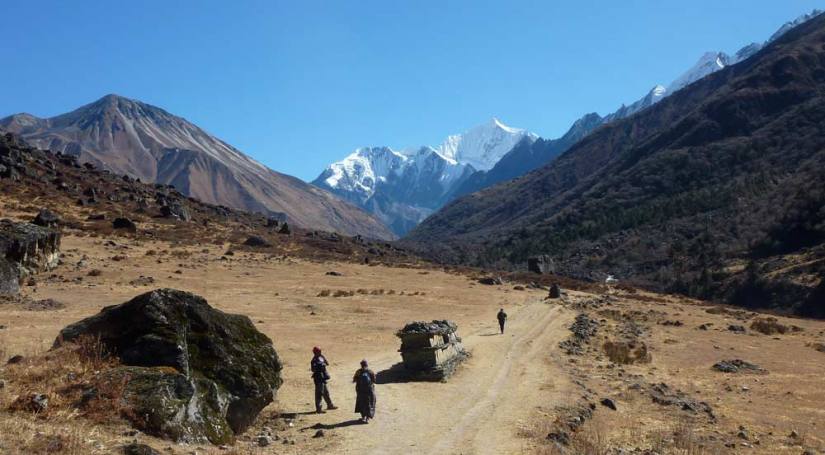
(737,366)
(583,328)
(318,434)
(607,402)
(97,217)
(142,281)
(736,328)
(46,218)
(43,305)
(559,437)
(15,359)
(263,440)
(284,229)
(139,449)
(31,402)
(673,323)
(192,373)
(334,273)
(555,292)
(490,281)
(95,272)
(256,242)
(125,224)
(662,394)
(705,326)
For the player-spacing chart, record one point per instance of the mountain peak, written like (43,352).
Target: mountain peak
(481,147)
(495,123)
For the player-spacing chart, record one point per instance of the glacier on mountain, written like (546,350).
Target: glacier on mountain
(404,187)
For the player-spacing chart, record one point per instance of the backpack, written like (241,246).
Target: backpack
(364,381)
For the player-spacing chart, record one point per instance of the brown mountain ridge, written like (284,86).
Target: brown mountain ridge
(130,137)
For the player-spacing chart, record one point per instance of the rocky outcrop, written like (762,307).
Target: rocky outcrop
(540,264)
(175,210)
(192,373)
(25,249)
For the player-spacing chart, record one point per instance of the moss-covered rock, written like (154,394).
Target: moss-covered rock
(193,373)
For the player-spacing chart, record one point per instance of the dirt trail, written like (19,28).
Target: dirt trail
(481,408)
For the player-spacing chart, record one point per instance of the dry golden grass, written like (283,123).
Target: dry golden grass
(61,375)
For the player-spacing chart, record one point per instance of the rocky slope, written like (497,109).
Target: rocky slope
(715,191)
(102,203)
(404,187)
(130,137)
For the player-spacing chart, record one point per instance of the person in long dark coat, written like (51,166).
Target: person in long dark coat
(364,380)
(502,318)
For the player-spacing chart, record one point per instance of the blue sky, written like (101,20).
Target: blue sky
(298,84)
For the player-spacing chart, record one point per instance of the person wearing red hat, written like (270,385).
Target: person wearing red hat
(320,376)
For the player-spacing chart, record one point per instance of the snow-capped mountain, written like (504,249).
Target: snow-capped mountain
(130,137)
(708,63)
(791,24)
(527,157)
(483,146)
(404,187)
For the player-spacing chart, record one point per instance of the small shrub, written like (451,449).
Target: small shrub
(771,326)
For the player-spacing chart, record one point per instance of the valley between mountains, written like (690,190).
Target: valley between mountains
(651,282)
(514,391)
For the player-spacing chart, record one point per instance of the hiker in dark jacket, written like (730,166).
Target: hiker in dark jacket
(364,380)
(502,317)
(320,376)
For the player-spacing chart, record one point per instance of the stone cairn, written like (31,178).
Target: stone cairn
(431,351)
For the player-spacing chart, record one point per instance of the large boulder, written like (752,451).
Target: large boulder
(192,373)
(541,264)
(46,218)
(30,247)
(125,224)
(177,211)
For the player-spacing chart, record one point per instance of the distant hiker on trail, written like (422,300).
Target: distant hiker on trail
(364,380)
(318,365)
(502,317)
